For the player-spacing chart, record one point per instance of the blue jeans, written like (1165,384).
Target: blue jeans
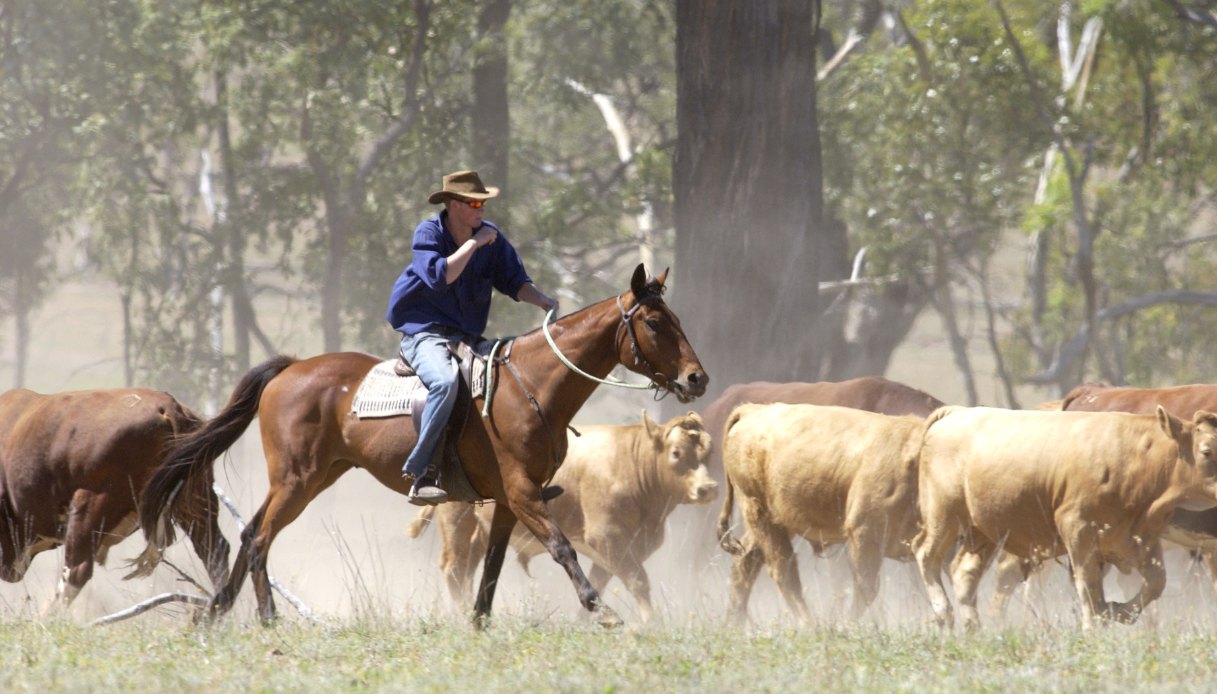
(428,353)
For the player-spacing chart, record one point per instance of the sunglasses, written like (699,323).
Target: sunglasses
(475,204)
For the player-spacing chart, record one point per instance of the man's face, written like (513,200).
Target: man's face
(464,215)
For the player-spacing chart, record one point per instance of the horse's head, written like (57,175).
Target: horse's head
(652,342)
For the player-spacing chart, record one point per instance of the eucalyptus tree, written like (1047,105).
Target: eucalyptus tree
(748,186)
(51,83)
(1125,252)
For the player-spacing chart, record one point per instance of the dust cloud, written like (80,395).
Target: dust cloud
(348,556)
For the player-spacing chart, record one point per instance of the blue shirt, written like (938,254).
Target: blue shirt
(422,298)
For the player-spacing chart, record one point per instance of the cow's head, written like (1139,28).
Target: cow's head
(1197,446)
(683,448)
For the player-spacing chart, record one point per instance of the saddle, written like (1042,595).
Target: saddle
(446,462)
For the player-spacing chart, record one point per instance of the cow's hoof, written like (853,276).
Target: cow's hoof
(607,617)
(1124,613)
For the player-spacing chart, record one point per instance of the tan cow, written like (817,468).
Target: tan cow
(620,483)
(1190,529)
(1099,487)
(831,474)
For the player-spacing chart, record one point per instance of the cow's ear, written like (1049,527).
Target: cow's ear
(1168,423)
(648,424)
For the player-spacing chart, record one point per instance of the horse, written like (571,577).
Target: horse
(72,466)
(311,437)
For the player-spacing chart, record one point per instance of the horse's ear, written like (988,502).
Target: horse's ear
(639,282)
(664,277)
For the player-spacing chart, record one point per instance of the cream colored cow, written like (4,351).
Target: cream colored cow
(1096,486)
(620,483)
(830,474)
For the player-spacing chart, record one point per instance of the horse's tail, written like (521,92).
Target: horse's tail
(726,539)
(195,453)
(420,523)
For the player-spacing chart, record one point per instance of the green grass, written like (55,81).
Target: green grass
(562,656)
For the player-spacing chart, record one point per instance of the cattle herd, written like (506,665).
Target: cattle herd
(1099,479)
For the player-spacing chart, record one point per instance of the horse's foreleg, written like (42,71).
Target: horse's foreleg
(501,525)
(534,514)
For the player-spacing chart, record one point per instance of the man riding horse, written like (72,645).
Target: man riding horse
(442,296)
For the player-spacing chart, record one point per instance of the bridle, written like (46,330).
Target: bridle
(626,324)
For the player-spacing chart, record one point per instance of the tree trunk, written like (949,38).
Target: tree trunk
(748,187)
(242,308)
(491,123)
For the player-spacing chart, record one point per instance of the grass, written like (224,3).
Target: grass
(517,654)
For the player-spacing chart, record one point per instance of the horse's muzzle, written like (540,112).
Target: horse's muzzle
(690,386)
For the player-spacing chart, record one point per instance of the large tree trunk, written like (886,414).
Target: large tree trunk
(748,187)
(490,117)
(234,275)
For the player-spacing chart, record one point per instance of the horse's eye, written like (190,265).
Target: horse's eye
(653,324)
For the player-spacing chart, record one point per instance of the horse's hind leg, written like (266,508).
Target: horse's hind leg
(283,504)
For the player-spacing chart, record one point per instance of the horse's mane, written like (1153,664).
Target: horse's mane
(652,289)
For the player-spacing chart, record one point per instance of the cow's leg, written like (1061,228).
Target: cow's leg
(744,570)
(966,571)
(201,523)
(524,500)
(458,528)
(86,519)
(1081,541)
(774,544)
(930,547)
(629,569)
(1153,573)
(599,577)
(865,557)
(1012,571)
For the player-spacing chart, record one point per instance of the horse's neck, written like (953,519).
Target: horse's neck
(588,340)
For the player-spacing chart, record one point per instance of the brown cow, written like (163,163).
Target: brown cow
(620,483)
(71,468)
(831,474)
(870,393)
(1194,530)
(1097,486)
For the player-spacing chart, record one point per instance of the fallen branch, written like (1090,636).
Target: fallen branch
(198,600)
(203,600)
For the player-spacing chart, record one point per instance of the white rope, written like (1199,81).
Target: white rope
(561,357)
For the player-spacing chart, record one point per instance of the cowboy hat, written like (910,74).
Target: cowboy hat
(463,184)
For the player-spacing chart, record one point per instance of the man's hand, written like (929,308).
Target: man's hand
(485,236)
(536,297)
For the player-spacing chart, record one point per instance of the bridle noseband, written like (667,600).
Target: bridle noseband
(639,358)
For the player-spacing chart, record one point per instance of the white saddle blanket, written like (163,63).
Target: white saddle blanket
(384,394)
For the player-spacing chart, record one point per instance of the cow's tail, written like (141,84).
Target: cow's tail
(726,539)
(195,453)
(421,522)
(938,414)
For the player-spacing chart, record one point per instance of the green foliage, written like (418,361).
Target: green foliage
(911,163)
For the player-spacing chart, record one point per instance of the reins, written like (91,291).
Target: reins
(505,359)
(625,320)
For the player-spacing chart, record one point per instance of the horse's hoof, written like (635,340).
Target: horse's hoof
(607,617)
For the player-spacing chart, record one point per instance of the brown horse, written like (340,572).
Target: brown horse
(72,466)
(311,437)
